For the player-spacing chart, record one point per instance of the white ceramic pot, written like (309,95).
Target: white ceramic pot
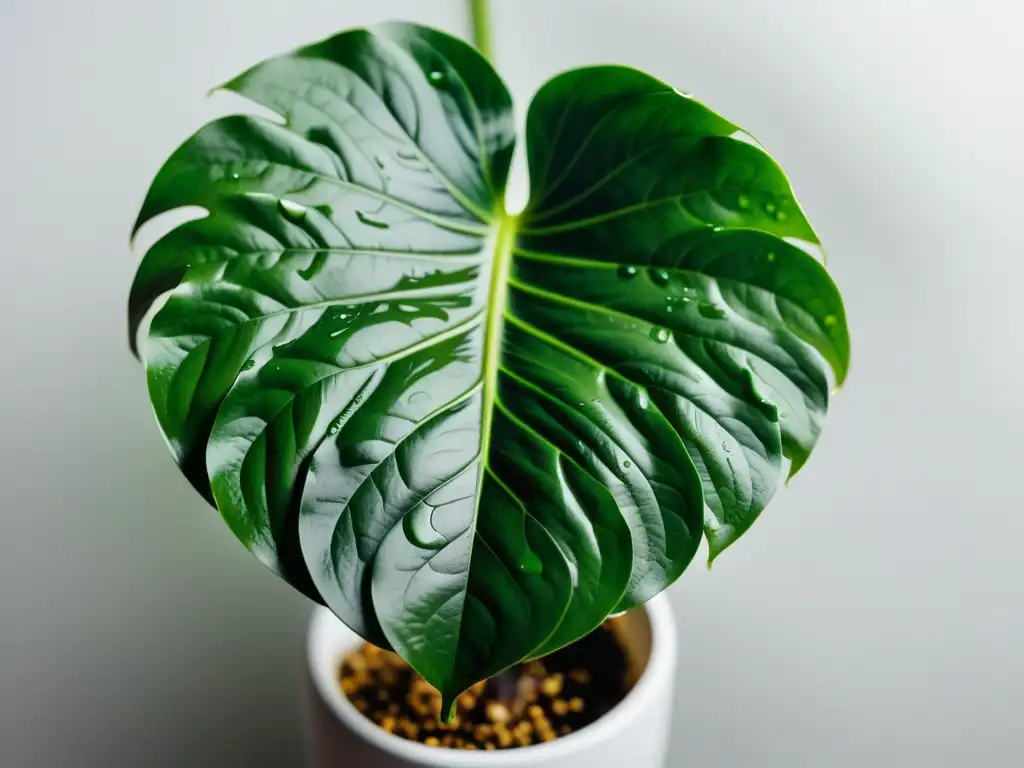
(632,735)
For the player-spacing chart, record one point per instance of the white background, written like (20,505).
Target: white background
(871,618)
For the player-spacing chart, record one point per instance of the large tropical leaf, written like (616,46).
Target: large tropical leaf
(475,435)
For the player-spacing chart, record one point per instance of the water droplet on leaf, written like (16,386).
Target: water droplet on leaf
(419,529)
(784,414)
(831,320)
(743,201)
(659,277)
(780,216)
(316,266)
(711,311)
(419,397)
(770,257)
(627,464)
(292,210)
(660,335)
(529,563)
(370,221)
(770,208)
(407,154)
(627,272)
(235,177)
(437,77)
(248,365)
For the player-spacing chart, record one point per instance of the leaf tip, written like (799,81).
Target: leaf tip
(133,345)
(139,221)
(841,376)
(796,463)
(448,706)
(715,549)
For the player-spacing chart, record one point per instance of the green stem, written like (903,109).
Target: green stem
(480,12)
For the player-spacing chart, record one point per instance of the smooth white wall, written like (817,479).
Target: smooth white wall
(872,617)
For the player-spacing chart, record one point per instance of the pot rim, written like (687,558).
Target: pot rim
(322,651)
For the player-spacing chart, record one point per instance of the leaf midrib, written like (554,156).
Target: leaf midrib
(494,323)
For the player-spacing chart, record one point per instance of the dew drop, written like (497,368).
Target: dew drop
(743,201)
(335,427)
(670,309)
(530,564)
(370,221)
(248,365)
(341,317)
(419,528)
(770,208)
(784,414)
(627,272)
(831,320)
(407,154)
(711,311)
(660,335)
(642,400)
(780,216)
(627,464)
(419,397)
(235,177)
(770,257)
(437,77)
(659,277)
(292,210)
(316,266)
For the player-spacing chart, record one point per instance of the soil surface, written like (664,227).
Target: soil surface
(533,702)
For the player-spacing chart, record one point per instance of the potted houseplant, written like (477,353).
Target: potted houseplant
(474,435)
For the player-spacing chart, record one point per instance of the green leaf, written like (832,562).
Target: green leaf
(474,435)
